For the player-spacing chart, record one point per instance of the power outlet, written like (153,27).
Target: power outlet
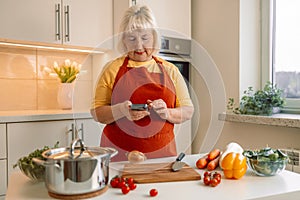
(294,155)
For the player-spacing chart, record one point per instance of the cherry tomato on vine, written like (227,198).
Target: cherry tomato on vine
(125,189)
(217,176)
(206,173)
(214,182)
(114,182)
(132,186)
(130,181)
(121,184)
(206,180)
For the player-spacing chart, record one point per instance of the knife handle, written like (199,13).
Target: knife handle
(180,156)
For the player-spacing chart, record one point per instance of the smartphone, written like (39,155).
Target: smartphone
(139,107)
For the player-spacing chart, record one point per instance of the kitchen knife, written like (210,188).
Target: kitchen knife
(177,165)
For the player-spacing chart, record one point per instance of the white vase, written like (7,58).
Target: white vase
(65,95)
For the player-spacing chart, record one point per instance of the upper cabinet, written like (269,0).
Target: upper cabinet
(73,22)
(173,16)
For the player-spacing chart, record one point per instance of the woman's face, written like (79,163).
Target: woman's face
(139,44)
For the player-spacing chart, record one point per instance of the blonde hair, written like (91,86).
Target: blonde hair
(138,17)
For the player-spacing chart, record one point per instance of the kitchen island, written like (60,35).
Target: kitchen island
(285,185)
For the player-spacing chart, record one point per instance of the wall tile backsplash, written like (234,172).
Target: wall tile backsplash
(25,85)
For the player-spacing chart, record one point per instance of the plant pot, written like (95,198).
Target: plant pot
(65,95)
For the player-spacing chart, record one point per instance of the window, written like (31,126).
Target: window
(281,48)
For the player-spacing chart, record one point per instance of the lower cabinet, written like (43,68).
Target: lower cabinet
(183,137)
(25,137)
(3,177)
(91,133)
(3,160)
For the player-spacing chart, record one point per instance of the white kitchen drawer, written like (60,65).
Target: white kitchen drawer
(3,177)
(2,141)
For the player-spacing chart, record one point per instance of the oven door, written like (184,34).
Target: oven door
(182,63)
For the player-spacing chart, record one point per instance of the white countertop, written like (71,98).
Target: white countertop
(285,185)
(42,115)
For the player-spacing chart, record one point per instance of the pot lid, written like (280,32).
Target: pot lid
(78,152)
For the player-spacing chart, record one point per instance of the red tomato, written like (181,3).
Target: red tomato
(132,186)
(206,180)
(214,182)
(206,173)
(153,192)
(121,184)
(130,181)
(125,189)
(122,179)
(217,176)
(114,182)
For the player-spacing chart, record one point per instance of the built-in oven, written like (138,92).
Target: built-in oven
(177,51)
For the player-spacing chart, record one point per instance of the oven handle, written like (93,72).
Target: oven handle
(177,58)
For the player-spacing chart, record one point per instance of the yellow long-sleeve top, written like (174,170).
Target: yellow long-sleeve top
(103,91)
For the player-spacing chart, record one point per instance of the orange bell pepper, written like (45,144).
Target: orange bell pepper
(234,165)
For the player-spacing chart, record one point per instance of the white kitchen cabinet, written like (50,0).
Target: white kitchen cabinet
(3,160)
(3,177)
(183,137)
(92,131)
(74,22)
(173,16)
(2,141)
(24,138)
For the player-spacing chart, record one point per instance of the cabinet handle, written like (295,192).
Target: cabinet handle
(75,131)
(81,130)
(57,21)
(72,130)
(67,24)
(133,2)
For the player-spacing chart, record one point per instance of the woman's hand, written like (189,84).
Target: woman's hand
(174,115)
(125,109)
(132,115)
(160,107)
(137,114)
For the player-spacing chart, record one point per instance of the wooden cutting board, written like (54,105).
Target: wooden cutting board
(158,172)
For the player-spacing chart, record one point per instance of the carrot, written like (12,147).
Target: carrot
(213,164)
(213,154)
(202,162)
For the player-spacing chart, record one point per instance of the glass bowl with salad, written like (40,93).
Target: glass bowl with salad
(32,170)
(266,161)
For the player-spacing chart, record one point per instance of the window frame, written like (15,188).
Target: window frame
(267,55)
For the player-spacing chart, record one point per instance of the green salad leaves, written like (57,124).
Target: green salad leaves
(31,169)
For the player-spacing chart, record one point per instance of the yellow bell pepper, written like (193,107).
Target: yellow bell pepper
(234,165)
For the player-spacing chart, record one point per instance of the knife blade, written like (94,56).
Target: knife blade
(177,165)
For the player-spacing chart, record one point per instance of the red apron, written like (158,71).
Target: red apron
(151,135)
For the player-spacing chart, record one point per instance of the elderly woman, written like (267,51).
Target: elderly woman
(139,77)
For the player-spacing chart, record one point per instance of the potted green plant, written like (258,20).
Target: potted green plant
(261,102)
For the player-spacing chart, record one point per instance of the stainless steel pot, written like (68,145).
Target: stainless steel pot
(76,169)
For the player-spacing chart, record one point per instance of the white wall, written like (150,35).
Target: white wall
(229,31)
(249,62)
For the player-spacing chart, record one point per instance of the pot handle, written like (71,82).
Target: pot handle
(111,151)
(73,145)
(45,163)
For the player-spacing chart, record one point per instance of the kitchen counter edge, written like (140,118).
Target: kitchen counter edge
(280,119)
(42,115)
